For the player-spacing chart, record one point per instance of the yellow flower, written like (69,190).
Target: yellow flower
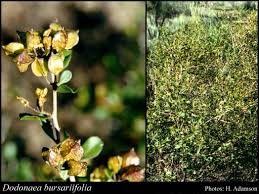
(55,64)
(24,102)
(72,39)
(38,67)
(12,47)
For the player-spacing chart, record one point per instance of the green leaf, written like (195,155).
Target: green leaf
(66,134)
(30,117)
(65,89)
(92,147)
(67,53)
(67,57)
(24,170)
(64,174)
(10,151)
(22,37)
(47,128)
(177,146)
(65,77)
(108,173)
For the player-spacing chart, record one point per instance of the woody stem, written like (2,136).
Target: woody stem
(55,112)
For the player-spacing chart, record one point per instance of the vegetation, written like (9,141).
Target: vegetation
(202,95)
(48,53)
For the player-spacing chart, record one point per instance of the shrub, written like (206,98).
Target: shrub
(202,102)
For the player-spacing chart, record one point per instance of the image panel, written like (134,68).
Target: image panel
(73,91)
(202,91)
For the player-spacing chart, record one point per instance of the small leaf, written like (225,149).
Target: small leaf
(65,77)
(22,37)
(64,174)
(10,151)
(65,133)
(92,147)
(108,173)
(30,117)
(67,53)
(67,57)
(65,89)
(47,128)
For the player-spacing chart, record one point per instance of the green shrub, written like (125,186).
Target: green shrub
(202,102)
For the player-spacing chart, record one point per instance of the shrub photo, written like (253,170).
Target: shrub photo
(202,95)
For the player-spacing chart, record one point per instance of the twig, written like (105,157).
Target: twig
(55,113)
(55,104)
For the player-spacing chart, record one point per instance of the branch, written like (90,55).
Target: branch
(55,113)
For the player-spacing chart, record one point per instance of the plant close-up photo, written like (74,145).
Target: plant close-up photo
(59,96)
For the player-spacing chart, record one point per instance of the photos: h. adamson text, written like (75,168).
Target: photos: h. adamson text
(71,188)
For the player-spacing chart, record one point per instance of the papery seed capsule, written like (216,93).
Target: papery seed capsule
(133,174)
(47,42)
(59,41)
(38,68)
(76,168)
(72,39)
(130,158)
(55,64)
(23,60)
(33,40)
(12,47)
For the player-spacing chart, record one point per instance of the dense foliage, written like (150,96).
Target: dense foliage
(108,75)
(202,101)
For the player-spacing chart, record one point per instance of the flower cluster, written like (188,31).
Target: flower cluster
(45,52)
